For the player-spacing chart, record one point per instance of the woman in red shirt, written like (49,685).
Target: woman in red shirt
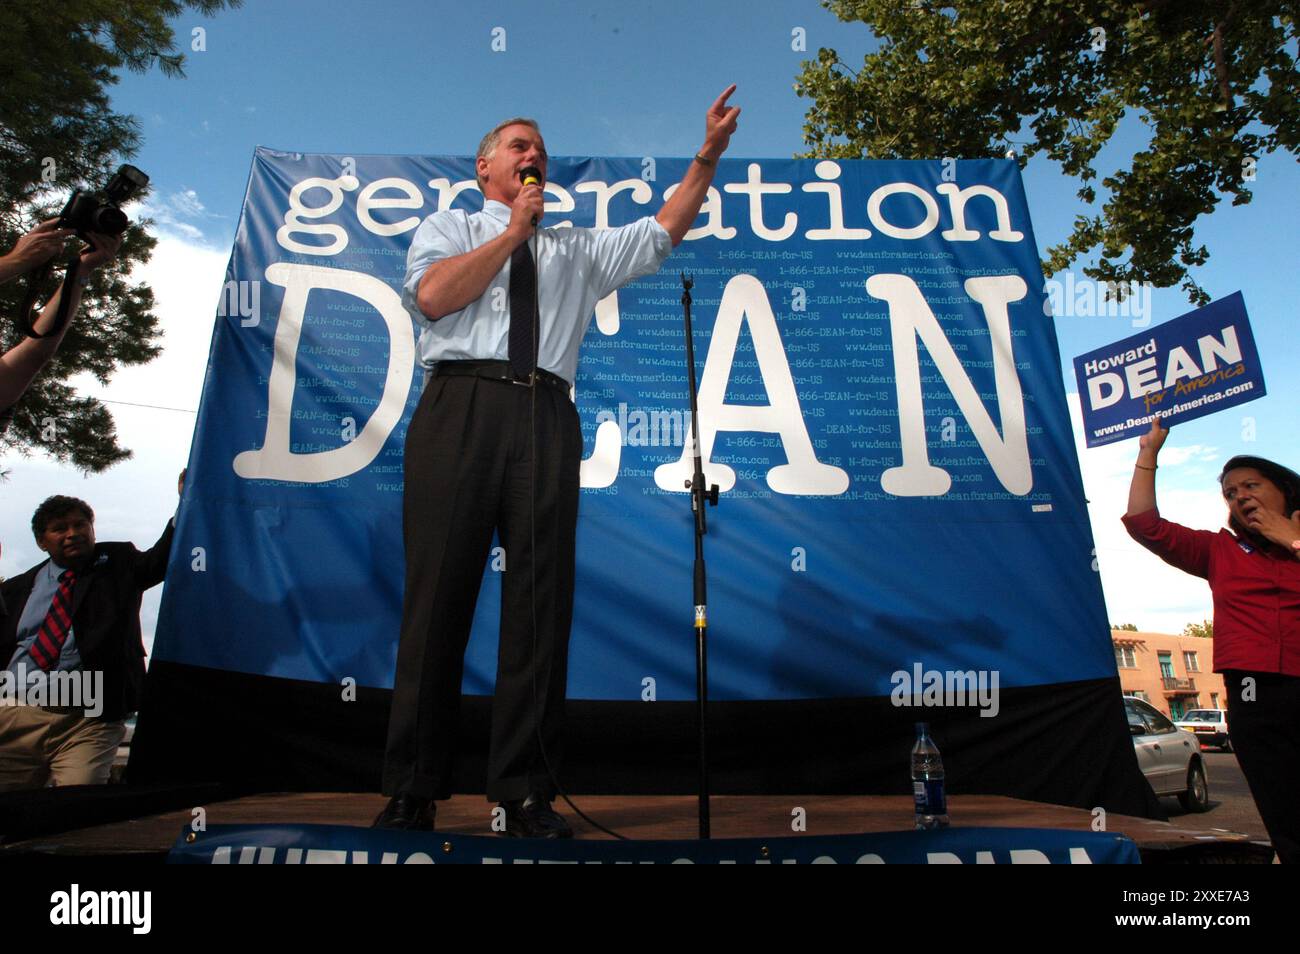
(1254,577)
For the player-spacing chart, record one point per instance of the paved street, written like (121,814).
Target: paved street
(1231,806)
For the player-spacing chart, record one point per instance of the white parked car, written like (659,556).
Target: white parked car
(1208,725)
(1170,757)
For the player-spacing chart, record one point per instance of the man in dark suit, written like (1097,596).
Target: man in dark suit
(70,640)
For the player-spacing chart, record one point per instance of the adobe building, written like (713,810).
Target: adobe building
(1173,673)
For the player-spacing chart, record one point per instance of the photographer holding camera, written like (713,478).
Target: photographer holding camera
(35,248)
(20,364)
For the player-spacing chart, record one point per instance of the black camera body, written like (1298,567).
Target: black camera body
(101,211)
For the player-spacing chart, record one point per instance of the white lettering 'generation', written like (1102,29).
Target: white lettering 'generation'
(307,229)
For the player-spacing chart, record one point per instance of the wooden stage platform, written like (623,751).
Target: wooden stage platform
(147,839)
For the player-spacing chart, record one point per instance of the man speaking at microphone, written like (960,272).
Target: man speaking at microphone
(495,445)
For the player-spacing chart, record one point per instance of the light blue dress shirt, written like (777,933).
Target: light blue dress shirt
(576,267)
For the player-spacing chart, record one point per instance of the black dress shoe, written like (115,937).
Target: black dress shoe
(407,812)
(534,818)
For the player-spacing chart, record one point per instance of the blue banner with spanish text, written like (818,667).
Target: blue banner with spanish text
(344,845)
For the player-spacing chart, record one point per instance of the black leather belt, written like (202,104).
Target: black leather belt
(500,371)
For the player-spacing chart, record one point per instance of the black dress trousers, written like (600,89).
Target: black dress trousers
(484,455)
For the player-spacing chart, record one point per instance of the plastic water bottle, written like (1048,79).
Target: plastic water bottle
(927,781)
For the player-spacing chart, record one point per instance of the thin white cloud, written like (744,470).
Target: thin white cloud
(186,231)
(655,134)
(1139,587)
(181,215)
(187,202)
(1172,455)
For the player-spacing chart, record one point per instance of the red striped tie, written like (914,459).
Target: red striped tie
(58,621)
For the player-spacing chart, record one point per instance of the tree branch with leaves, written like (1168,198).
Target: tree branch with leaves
(58,132)
(1216,85)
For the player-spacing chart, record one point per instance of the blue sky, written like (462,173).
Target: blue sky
(623,79)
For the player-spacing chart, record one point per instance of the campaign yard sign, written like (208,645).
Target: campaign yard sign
(1196,364)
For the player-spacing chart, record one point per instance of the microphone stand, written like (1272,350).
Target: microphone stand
(698,497)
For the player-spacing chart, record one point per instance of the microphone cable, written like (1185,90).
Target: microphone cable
(532,530)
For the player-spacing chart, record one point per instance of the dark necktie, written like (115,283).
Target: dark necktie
(523,315)
(54,630)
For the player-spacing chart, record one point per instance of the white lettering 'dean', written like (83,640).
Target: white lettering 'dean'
(276,460)
(744,299)
(909,317)
(1142,377)
(601,468)
(1098,395)
(607,316)
(1180,365)
(1141,368)
(1229,349)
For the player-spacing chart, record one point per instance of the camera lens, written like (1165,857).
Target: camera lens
(109,220)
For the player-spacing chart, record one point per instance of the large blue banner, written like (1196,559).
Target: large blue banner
(880,403)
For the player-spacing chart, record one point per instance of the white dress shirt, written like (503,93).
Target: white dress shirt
(576,267)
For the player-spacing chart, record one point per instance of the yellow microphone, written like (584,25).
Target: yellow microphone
(531,175)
